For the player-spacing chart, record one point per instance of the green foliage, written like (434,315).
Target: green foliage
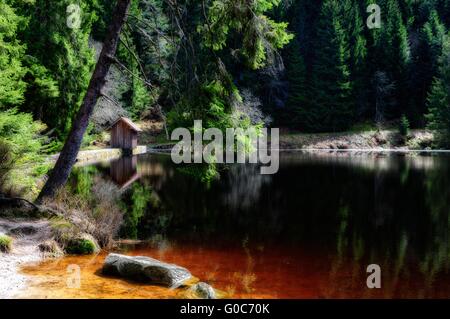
(210,93)
(140,198)
(12,52)
(433,33)
(137,96)
(439,106)
(68,66)
(211,104)
(439,99)
(363,127)
(205,173)
(141,99)
(23,146)
(6,163)
(260,34)
(391,54)
(330,103)
(298,88)
(21,134)
(5,243)
(41,86)
(377,72)
(80,247)
(404,126)
(193,53)
(82,181)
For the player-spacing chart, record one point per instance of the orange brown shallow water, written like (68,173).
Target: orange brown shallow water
(240,273)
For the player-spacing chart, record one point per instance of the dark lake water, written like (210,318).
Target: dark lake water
(309,231)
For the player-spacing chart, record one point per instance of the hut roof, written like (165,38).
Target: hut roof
(128,122)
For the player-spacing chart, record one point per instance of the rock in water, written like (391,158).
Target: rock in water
(145,269)
(204,291)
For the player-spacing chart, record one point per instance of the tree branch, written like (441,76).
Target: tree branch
(116,61)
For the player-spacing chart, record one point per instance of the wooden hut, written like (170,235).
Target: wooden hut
(124,134)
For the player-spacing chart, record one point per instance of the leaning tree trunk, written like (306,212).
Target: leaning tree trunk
(68,156)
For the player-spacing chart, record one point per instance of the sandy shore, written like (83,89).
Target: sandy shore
(26,237)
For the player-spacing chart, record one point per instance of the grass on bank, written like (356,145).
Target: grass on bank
(5,243)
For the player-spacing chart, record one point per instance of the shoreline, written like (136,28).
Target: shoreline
(381,140)
(25,251)
(364,150)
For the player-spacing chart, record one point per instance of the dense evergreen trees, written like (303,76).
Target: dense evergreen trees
(65,58)
(439,96)
(194,58)
(12,53)
(330,102)
(354,73)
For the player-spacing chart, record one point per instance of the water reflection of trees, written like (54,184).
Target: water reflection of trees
(389,210)
(246,183)
(407,232)
(406,205)
(393,211)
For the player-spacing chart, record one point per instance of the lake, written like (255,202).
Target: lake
(309,231)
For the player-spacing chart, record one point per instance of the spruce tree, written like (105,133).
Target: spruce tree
(63,49)
(392,55)
(431,36)
(12,70)
(358,56)
(439,97)
(330,104)
(296,75)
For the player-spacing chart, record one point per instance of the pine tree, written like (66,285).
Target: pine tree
(12,70)
(330,102)
(392,54)
(439,107)
(431,36)
(358,57)
(296,75)
(439,96)
(64,52)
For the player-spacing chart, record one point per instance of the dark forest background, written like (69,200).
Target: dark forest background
(312,66)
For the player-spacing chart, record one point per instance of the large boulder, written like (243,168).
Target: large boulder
(145,269)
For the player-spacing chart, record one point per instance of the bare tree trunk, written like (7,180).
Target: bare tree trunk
(68,156)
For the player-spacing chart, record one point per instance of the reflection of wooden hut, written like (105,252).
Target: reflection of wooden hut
(124,171)
(124,134)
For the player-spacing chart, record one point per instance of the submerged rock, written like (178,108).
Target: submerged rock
(145,269)
(204,291)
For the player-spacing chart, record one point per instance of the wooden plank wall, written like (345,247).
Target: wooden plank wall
(123,137)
